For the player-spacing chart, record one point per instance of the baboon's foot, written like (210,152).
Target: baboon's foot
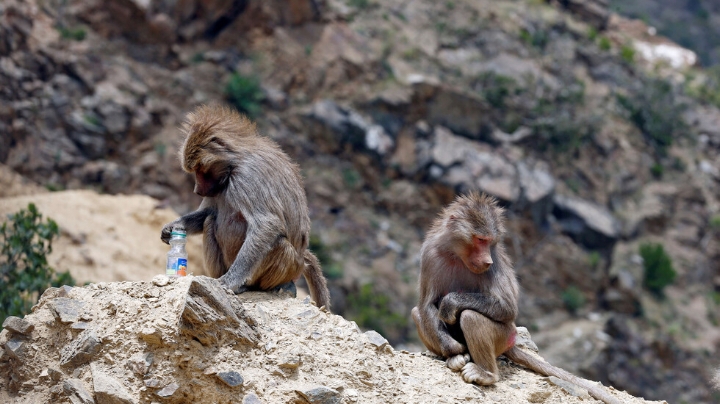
(472,373)
(456,363)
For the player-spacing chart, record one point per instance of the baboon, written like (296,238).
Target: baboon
(254,212)
(469,294)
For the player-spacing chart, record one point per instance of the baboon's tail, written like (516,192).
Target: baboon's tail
(538,365)
(316,281)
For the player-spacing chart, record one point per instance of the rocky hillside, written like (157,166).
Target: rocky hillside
(186,340)
(599,143)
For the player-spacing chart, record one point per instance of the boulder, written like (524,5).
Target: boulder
(588,223)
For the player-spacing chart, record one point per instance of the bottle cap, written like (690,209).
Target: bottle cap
(178,232)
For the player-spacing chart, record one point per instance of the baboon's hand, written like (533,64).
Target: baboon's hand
(449,311)
(166,230)
(233,283)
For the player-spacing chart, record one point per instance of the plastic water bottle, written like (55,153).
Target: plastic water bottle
(177,256)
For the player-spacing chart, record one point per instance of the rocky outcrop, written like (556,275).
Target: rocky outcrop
(215,346)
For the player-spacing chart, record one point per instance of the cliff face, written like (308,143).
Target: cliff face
(393,107)
(187,340)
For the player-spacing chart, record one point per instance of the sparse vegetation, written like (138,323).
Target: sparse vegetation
(657,170)
(658,267)
(359,4)
(74,33)
(654,111)
(573,299)
(627,53)
(604,43)
(370,309)
(331,268)
(715,222)
(25,243)
(244,93)
(351,177)
(537,38)
(594,259)
(707,88)
(495,88)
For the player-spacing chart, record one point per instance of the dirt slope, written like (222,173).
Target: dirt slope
(187,340)
(106,238)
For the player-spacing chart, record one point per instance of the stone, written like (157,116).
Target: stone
(461,112)
(65,309)
(570,388)
(77,393)
(448,149)
(15,348)
(81,350)
(208,315)
(523,340)
(160,280)
(377,139)
(290,362)
(168,390)
(376,339)
(321,395)
(338,125)
(109,390)
(18,325)
(539,397)
(140,363)
(151,335)
(537,189)
(232,379)
(588,223)
(251,399)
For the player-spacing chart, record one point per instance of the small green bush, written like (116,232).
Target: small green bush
(706,90)
(538,38)
(604,44)
(657,170)
(25,242)
(654,110)
(573,298)
(244,93)
(360,4)
(627,53)
(75,34)
(495,88)
(330,267)
(659,271)
(715,222)
(371,310)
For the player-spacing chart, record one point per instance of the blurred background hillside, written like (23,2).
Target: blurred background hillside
(595,122)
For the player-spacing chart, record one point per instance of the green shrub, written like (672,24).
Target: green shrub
(657,170)
(371,310)
(706,90)
(75,34)
(627,53)
(495,88)
(244,93)
(330,267)
(573,298)
(604,44)
(653,109)
(715,222)
(25,242)
(538,38)
(361,4)
(659,271)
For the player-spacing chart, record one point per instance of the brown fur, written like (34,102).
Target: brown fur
(254,213)
(467,309)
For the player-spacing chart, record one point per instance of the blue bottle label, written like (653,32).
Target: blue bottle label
(176,267)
